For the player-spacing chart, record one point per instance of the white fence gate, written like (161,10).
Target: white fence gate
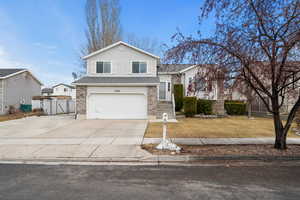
(54,106)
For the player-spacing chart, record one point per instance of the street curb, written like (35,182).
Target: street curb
(153,160)
(260,158)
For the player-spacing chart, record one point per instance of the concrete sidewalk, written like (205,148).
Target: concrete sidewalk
(219,141)
(97,150)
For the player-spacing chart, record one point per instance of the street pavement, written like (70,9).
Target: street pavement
(36,182)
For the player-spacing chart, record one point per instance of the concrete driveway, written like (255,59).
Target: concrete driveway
(53,137)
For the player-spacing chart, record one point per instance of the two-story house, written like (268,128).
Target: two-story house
(63,89)
(121,83)
(125,82)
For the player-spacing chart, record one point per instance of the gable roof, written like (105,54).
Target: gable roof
(4,72)
(172,68)
(47,90)
(116,44)
(69,86)
(9,72)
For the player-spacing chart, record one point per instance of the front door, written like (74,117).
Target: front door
(162,91)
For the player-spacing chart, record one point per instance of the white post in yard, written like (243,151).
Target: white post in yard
(166,144)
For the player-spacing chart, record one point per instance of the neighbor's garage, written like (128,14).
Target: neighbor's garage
(117,103)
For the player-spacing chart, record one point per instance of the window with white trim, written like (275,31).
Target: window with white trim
(139,67)
(103,67)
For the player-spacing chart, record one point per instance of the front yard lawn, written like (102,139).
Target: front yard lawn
(230,127)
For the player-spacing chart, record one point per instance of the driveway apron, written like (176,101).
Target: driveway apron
(62,137)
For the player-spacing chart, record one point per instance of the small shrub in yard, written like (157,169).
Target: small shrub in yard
(37,110)
(205,106)
(235,107)
(178,96)
(190,106)
(12,110)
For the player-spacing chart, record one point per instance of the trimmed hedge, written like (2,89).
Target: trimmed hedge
(190,106)
(235,107)
(205,106)
(178,96)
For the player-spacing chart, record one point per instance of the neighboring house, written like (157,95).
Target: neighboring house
(170,74)
(47,91)
(64,90)
(122,82)
(17,86)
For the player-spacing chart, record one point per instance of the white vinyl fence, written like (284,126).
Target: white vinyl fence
(54,106)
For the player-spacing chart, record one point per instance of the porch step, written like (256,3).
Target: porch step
(165,107)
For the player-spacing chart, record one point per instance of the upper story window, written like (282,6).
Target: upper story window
(103,67)
(65,89)
(139,67)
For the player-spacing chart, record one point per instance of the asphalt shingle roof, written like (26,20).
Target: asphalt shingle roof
(90,79)
(69,86)
(47,90)
(172,67)
(5,71)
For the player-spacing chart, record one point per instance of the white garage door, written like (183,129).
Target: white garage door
(117,106)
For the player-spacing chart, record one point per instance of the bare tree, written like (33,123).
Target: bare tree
(110,29)
(103,27)
(145,43)
(255,40)
(93,31)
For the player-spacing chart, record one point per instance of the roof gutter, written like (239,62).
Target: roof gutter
(115,84)
(168,73)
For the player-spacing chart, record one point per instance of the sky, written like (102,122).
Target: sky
(45,36)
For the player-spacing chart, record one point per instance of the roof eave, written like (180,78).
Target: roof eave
(115,84)
(22,71)
(167,73)
(187,69)
(116,44)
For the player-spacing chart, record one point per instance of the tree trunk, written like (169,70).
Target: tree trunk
(249,110)
(280,139)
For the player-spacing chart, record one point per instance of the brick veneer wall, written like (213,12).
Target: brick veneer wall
(152,101)
(81,92)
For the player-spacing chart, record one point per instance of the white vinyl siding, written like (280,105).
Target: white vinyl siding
(20,89)
(62,90)
(121,58)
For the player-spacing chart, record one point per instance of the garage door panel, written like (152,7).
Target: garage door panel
(117,106)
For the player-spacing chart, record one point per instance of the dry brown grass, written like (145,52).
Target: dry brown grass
(231,127)
(18,116)
(227,150)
